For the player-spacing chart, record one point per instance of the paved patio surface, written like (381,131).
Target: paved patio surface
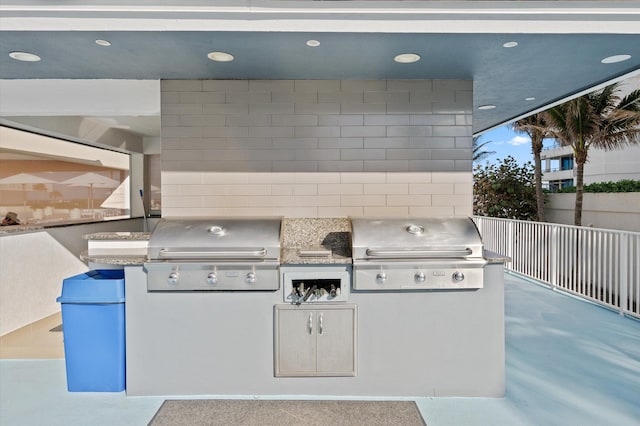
(568,363)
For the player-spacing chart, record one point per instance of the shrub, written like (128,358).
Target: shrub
(505,190)
(625,185)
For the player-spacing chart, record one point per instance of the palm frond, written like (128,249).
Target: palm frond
(631,102)
(478,152)
(621,126)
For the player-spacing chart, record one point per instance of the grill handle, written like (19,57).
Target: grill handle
(419,253)
(208,254)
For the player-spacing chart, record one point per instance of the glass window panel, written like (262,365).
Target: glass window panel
(48,181)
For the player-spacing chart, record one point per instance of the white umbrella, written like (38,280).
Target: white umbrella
(119,198)
(92,180)
(24,179)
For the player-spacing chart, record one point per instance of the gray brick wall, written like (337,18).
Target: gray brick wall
(323,132)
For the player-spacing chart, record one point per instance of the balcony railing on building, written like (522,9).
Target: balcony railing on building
(600,265)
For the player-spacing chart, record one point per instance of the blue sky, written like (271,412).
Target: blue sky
(505,142)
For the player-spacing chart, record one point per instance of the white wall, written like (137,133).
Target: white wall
(619,211)
(32,268)
(34,265)
(75,97)
(612,166)
(316,147)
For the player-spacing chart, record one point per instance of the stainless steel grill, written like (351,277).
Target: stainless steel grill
(208,254)
(419,254)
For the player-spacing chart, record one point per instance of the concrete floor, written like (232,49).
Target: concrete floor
(568,363)
(35,341)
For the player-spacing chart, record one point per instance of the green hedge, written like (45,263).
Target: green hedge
(625,185)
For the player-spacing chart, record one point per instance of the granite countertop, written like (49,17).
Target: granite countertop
(130,236)
(305,241)
(19,229)
(309,241)
(123,260)
(112,258)
(493,257)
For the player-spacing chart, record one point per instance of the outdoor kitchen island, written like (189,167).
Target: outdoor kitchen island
(314,334)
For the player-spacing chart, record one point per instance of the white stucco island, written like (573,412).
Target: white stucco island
(410,343)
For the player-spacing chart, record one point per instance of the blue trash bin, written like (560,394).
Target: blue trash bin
(93,323)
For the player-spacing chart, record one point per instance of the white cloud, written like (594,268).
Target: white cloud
(519,140)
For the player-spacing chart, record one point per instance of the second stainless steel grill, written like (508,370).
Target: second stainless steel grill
(205,254)
(429,253)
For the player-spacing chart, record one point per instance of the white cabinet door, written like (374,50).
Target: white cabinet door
(295,342)
(335,342)
(318,341)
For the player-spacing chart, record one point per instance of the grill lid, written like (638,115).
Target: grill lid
(423,238)
(216,239)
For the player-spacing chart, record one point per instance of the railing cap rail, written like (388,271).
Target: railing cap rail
(560,225)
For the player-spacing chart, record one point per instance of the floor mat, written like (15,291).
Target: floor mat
(278,412)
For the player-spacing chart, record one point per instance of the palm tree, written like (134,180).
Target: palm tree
(599,119)
(537,129)
(478,149)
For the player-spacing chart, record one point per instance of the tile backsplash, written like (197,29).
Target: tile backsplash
(316,148)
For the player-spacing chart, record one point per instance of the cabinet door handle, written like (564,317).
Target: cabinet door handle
(320,324)
(310,323)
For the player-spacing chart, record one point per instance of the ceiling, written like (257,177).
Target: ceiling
(558,54)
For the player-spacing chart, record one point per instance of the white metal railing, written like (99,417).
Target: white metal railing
(601,265)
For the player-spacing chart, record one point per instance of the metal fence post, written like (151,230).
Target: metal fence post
(510,246)
(553,255)
(624,273)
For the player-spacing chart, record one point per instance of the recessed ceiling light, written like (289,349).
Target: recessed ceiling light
(220,56)
(510,44)
(485,107)
(24,56)
(615,58)
(104,43)
(530,98)
(407,58)
(313,43)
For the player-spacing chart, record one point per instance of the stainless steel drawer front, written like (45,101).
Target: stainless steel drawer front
(419,276)
(208,277)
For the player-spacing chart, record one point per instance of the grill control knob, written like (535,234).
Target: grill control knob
(212,278)
(419,277)
(251,278)
(381,277)
(173,278)
(458,276)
